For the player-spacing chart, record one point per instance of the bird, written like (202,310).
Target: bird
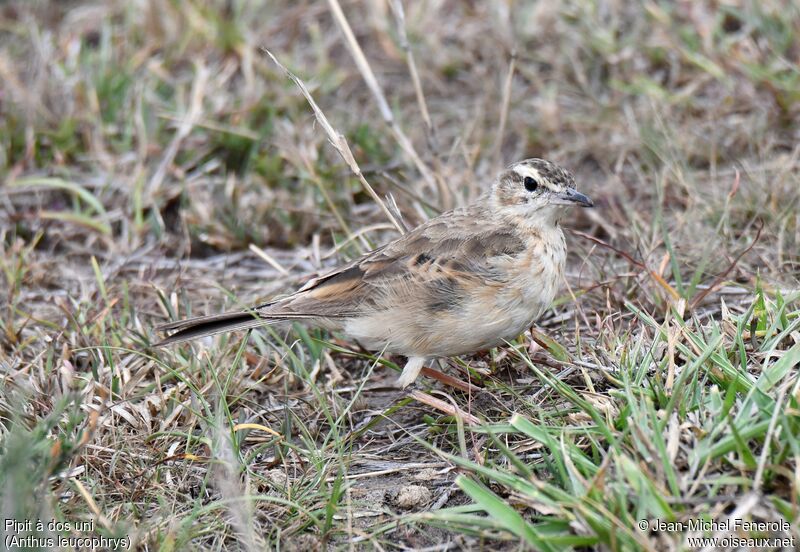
(467,280)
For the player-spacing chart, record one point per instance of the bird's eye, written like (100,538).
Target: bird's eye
(531,184)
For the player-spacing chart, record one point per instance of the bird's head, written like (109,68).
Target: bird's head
(536,190)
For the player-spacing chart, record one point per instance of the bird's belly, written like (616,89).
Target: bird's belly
(480,323)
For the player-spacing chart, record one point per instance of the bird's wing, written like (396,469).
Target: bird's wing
(436,259)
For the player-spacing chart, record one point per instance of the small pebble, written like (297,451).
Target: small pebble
(412,496)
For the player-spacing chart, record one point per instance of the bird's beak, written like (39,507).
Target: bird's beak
(571,196)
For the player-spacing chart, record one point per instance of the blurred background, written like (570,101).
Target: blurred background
(156,163)
(172,116)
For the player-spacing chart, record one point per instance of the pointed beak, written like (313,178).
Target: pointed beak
(573,197)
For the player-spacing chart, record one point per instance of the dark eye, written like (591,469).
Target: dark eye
(531,184)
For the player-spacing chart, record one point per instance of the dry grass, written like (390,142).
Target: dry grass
(156,163)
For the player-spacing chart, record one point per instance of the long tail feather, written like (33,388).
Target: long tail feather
(201,326)
(184,330)
(178,325)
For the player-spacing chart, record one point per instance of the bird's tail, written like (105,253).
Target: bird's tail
(192,328)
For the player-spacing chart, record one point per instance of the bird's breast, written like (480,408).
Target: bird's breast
(539,270)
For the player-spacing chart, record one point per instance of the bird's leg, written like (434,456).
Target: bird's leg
(410,371)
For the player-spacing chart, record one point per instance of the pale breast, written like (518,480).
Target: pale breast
(537,277)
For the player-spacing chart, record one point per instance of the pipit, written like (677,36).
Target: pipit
(462,282)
